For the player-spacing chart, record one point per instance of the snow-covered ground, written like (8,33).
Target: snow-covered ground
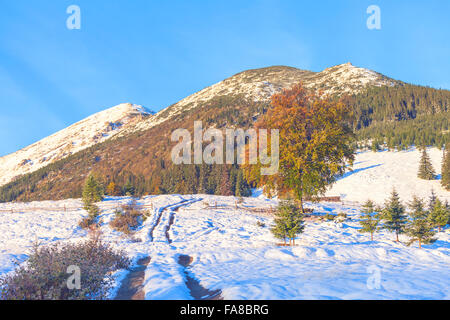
(376,173)
(232,253)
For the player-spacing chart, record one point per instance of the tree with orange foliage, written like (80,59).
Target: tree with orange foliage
(315,146)
(112,189)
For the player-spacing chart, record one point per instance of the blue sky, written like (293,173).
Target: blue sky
(155,53)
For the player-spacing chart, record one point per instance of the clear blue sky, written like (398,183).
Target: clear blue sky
(155,53)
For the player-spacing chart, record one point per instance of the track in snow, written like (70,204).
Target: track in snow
(197,291)
(132,286)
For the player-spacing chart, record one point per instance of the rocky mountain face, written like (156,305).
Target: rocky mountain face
(79,136)
(258,85)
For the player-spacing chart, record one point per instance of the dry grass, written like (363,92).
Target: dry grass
(128,218)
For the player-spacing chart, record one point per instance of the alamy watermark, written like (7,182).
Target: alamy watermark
(235,143)
(73,22)
(74,280)
(374,280)
(374,20)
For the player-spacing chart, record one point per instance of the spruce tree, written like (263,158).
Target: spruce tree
(288,222)
(92,191)
(431,200)
(420,230)
(224,188)
(445,181)
(394,215)
(426,170)
(238,186)
(128,189)
(370,220)
(112,189)
(439,216)
(417,207)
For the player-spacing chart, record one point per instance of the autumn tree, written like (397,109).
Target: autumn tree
(314,143)
(445,181)
(112,189)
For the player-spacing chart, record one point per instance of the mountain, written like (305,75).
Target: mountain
(79,136)
(258,85)
(138,153)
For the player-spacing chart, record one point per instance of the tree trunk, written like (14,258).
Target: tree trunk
(420,243)
(301,206)
(299,192)
(371,236)
(396,234)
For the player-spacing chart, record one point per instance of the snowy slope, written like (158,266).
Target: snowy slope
(81,135)
(232,253)
(376,173)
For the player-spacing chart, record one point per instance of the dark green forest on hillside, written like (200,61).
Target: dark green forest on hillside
(402,115)
(425,130)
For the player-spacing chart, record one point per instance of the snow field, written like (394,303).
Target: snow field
(232,253)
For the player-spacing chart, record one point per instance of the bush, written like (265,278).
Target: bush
(92,219)
(45,275)
(87,222)
(329,217)
(341,217)
(260,224)
(127,219)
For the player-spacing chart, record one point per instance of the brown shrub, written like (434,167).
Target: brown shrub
(45,274)
(128,218)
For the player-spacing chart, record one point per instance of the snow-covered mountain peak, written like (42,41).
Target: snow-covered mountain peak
(81,135)
(260,84)
(347,78)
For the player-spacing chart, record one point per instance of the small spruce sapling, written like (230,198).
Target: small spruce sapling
(370,220)
(419,227)
(439,216)
(288,222)
(394,215)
